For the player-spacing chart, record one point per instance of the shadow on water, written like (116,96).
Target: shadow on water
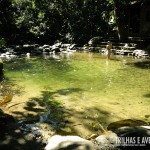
(141,64)
(10,87)
(10,133)
(47,101)
(38,65)
(12,138)
(147,95)
(22,64)
(94,119)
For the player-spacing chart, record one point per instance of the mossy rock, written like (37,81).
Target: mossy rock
(127,122)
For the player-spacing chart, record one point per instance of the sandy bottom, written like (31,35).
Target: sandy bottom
(82,117)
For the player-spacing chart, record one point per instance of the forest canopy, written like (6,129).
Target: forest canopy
(66,20)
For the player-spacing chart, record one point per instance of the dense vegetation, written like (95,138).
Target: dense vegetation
(67,20)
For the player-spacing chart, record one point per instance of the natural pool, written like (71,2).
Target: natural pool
(83,90)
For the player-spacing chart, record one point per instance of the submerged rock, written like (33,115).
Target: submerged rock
(41,131)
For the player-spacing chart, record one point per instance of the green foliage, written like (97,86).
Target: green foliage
(6,19)
(82,19)
(33,5)
(122,2)
(67,20)
(111,1)
(38,18)
(74,20)
(40,15)
(2,43)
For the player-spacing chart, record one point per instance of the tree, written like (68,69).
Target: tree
(6,23)
(82,19)
(68,20)
(37,20)
(120,10)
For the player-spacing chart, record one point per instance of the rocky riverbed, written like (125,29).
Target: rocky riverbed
(39,134)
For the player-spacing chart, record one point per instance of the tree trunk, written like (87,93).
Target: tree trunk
(120,20)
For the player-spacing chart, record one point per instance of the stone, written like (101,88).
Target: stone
(58,142)
(127,122)
(107,141)
(140,53)
(131,137)
(133,131)
(41,131)
(95,40)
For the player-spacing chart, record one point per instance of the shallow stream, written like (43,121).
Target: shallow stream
(83,90)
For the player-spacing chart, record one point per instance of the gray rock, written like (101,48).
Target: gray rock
(132,137)
(95,40)
(134,131)
(107,141)
(58,142)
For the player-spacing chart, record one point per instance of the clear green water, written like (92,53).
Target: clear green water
(90,88)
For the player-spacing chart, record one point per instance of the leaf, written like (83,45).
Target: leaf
(6,99)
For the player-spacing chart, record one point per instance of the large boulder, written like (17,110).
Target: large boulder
(134,131)
(132,134)
(127,122)
(95,41)
(132,137)
(58,142)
